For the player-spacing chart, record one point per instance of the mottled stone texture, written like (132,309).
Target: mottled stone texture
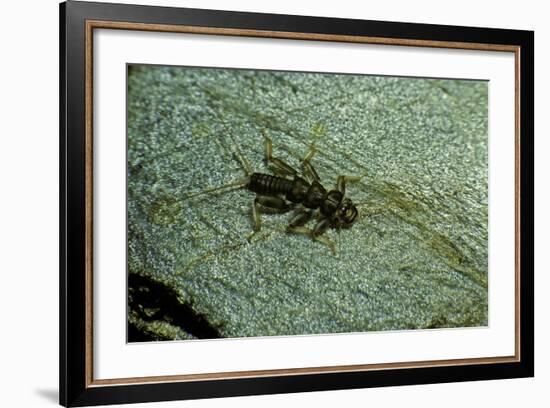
(416,258)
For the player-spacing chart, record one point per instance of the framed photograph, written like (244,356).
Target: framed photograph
(256,203)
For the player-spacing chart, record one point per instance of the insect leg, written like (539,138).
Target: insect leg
(300,218)
(307,167)
(266,204)
(319,229)
(279,165)
(341,182)
(316,233)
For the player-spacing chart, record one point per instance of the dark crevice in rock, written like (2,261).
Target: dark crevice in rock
(149,301)
(136,334)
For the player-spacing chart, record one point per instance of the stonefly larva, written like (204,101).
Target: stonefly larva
(289,189)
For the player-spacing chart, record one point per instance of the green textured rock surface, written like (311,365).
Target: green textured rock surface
(416,258)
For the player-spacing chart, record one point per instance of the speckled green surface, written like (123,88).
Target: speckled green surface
(416,258)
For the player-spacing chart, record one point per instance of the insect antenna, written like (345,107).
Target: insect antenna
(219,189)
(370,208)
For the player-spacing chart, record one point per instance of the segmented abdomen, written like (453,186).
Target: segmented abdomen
(268,184)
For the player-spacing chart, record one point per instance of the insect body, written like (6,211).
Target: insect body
(332,205)
(281,193)
(289,190)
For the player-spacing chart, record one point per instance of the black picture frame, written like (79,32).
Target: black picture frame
(77,387)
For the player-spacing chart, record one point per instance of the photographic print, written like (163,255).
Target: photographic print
(271,203)
(256,204)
